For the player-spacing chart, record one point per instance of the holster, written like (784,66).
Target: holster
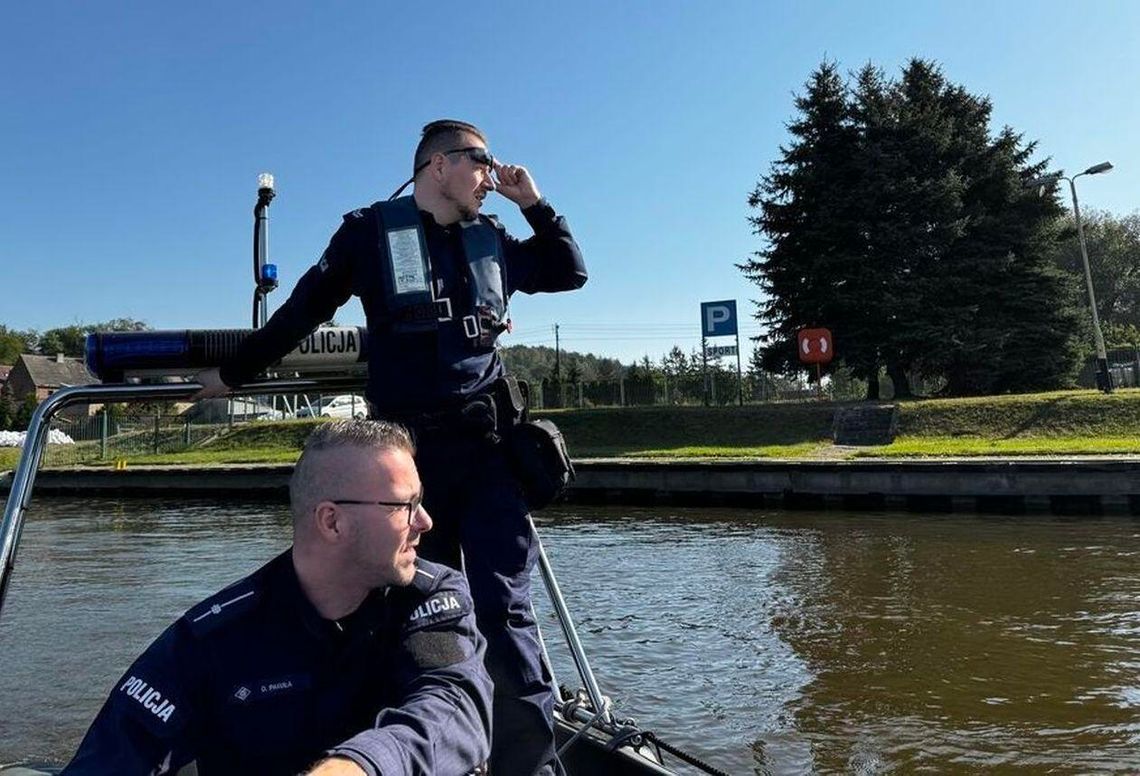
(480,415)
(493,414)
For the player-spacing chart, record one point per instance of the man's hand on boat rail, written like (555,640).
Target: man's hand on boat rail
(336,766)
(212,385)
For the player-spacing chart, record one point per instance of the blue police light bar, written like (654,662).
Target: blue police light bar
(115,356)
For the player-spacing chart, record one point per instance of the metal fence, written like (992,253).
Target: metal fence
(720,389)
(112,433)
(141,433)
(108,434)
(1123,365)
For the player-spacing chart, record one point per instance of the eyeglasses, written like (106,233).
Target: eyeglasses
(477,154)
(412,506)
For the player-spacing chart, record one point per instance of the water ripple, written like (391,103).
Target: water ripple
(762,641)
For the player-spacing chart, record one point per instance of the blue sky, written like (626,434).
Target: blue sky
(132,133)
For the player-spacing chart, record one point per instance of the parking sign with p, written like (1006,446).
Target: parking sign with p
(718,319)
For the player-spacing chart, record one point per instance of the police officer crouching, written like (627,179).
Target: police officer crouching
(346,654)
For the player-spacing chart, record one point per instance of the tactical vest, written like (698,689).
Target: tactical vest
(409,290)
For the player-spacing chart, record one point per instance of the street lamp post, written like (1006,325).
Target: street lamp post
(1103,376)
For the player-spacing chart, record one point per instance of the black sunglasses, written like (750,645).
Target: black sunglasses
(474,153)
(412,506)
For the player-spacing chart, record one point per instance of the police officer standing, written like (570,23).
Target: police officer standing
(346,650)
(434,276)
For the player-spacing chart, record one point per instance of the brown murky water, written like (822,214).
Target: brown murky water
(762,641)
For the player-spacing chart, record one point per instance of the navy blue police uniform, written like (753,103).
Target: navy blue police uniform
(254,680)
(435,299)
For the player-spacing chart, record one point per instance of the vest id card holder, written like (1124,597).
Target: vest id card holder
(408,262)
(411,295)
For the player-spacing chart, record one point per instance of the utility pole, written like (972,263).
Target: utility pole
(557,365)
(557,368)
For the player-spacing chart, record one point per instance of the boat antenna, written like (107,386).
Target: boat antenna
(264,273)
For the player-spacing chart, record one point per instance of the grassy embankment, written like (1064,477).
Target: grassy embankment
(252,443)
(1060,423)
(1057,423)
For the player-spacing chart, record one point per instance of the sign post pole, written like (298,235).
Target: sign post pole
(705,369)
(718,319)
(739,373)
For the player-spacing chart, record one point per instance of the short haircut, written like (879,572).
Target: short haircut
(309,483)
(443,135)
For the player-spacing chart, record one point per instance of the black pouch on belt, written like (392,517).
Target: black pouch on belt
(540,461)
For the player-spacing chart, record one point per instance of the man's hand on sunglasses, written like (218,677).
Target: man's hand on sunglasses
(515,183)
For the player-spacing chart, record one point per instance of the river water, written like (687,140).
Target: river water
(762,641)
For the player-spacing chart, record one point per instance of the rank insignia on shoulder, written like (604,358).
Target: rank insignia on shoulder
(220,609)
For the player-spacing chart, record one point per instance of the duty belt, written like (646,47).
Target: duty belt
(490,413)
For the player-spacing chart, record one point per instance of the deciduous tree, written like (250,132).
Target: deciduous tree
(70,340)
(13,343)
(1114,261)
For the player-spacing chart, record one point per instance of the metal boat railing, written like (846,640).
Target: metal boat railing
(600,703)
(23,482)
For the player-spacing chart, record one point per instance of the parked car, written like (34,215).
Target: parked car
(344,406)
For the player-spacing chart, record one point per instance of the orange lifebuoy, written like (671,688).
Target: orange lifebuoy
(815,346)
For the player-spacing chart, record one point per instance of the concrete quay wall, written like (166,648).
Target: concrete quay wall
(1070,486)
(1011,486)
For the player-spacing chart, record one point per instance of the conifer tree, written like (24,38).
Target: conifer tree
(807,213)
(896,218)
